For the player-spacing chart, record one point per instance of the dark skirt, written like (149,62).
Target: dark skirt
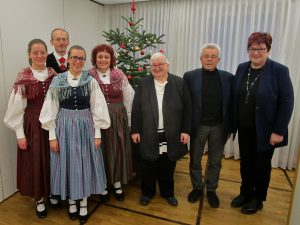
(116,146)
(33,164)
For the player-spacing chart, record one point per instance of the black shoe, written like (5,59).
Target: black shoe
(239,201)
(119,196)
(58,204)
(104,198)
(83,218)
(172,201)
(41,214)
(73,215)
(195,195)
(252,206)
(213,199)
(144,200)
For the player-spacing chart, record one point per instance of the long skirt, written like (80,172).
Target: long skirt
(33,169)
(116,146)
(77,171)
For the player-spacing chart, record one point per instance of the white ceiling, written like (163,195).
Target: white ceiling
(106,2)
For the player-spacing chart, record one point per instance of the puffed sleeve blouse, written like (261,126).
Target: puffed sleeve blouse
(60,86)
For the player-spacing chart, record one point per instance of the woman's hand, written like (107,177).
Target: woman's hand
(97,142)
(275,139)
(136,138)
(184,138)
(54,145)
(22,143)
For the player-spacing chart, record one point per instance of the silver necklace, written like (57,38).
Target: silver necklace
(249,85)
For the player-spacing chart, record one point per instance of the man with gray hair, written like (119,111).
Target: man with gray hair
(160,124)
(211,94)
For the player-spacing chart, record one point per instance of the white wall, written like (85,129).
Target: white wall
(21,21)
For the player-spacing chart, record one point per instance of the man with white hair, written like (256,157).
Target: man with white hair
(210,90)
(160,123)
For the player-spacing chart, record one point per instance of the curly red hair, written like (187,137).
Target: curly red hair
(260,38)
(104,48)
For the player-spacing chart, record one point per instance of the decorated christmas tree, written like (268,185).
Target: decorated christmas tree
(134,47)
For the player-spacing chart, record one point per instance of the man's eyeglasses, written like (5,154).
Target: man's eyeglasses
(259,50)
(210,56)
(75,58)
(160,65)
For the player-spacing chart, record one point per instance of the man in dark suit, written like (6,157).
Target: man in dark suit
(58,59)
(160,123)
(211,95)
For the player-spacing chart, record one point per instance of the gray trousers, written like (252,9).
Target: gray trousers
(214,136)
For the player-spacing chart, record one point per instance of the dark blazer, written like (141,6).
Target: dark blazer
(274,102)
(176,115)
(51,62)
(194,81)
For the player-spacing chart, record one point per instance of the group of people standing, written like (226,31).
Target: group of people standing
(86,118)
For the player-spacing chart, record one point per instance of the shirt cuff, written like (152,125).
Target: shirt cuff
(97,133)
(20,133)
(52,135)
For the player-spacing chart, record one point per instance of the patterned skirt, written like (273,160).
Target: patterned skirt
(33,164)
(77,171)
(116,146)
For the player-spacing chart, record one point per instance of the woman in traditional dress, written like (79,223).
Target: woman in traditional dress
(74,112)
(116,140)
(24,107)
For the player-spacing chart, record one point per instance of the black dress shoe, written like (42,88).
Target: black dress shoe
(213,199)
(56,198)
(239,201)
(73,215)
(83,218)
(252,206)
(104,198)
(144,200)
(172,201)
(119,196)
(41,214)
(195,195)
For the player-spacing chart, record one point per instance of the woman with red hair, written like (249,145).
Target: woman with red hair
(116,139)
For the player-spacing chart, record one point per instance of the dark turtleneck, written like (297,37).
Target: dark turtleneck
(212,99)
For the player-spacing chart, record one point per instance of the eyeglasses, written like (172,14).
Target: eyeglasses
(210,56)
(76,58)
(160,65)
(259,50)
(61,39)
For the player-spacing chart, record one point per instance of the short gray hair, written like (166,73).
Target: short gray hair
(158,55)
(210,46)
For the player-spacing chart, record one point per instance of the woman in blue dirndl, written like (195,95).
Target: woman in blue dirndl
(74,111)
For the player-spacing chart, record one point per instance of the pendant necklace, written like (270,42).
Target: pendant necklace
(249,85)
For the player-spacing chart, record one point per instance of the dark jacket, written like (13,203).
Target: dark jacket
(274,102)
(176,115)
(194,81)
(51,62)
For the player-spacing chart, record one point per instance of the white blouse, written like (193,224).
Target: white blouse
(98,109)
(14,116)
(127,90)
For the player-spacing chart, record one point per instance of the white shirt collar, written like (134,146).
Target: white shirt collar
(40,75)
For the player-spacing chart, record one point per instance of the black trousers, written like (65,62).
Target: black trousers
(161,171)
(255,167)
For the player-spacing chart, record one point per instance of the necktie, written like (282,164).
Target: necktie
(62,66)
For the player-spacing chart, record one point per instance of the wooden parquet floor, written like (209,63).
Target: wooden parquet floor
(20,210)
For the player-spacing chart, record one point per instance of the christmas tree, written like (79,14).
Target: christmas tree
(134,48)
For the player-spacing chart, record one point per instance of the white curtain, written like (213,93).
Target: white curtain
(188,24)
